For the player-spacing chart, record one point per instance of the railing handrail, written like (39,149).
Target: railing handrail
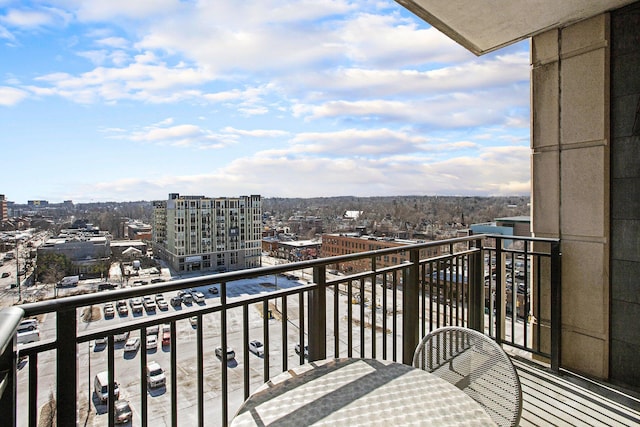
(74,301)
(524,238)
(10,318)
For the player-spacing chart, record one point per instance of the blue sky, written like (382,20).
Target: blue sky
(126,100)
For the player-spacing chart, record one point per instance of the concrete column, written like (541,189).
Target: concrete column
(570,182)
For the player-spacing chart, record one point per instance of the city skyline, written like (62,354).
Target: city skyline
(128,101)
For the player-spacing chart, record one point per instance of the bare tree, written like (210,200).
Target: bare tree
(48,412)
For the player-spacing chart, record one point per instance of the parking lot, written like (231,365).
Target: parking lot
(128,371)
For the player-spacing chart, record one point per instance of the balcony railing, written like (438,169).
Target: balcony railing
(505,287)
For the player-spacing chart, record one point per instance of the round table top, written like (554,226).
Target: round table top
(355,392)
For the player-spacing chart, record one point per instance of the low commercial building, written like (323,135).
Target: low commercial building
(89,253)
(137,230)
(293,250)
(350,243)
(121,249)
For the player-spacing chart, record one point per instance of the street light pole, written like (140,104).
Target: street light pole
(276,283)
(89,375)
(17,265)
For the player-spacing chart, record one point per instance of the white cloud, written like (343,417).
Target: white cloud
(358,143)
(389,42)
(502,171)
(372,83)
(114,42)
(182,135)
(452,110)
(107,10)
(138,80)
(10,96)
(6,34)
(255,133)
(259,36)
(25,18)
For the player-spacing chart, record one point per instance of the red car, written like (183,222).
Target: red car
(166,338)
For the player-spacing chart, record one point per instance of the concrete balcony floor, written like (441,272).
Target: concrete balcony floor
(569,400)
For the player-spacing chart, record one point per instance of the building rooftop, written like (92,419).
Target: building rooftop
(524,218)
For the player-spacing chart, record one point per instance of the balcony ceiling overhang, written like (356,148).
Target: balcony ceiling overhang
(484,26)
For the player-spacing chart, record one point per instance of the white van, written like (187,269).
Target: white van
(155,375)
(101,386)
(28,324)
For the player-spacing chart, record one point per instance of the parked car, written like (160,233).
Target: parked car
(256,347)
(121,337)
(230,354)
(99,342)
(122,308)
(152,342)
(132,344)
(187,298)
(213,290)
(106,286)
(136,305)
(109,311)
(28,325)
(155,375)
(123,411)
(166,338)
(176,301)
(198,296)
(193,320)
(162,304)
(5,274)
(306,350)
(157,280)
(148,303)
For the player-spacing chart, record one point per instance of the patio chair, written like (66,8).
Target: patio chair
(478,366)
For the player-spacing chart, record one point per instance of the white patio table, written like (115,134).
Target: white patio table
(359,392)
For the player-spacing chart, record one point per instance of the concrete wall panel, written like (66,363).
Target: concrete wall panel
(583,288)
(584,188)
(584,97)
(585,354)
(545,105)
(546,195)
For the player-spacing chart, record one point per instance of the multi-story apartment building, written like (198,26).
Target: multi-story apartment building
(4,211)
(35,204)
(202,233)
